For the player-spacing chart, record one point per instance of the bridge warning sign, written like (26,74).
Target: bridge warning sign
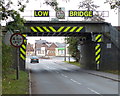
(41,13)
(80,13)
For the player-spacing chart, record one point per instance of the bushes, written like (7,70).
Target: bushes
(9,83)
(7,58)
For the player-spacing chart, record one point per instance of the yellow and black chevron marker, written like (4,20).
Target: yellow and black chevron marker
(98,39)
(23,48)
(57,29)
(97,55)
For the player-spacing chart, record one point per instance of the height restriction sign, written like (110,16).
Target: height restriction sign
(16,40)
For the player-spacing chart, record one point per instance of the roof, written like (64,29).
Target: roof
(60,45)
(48,44)
(40,41)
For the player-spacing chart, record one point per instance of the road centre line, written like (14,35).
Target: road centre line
(75,81)
(64,75)
(51,68)
(94,91)
(71,79)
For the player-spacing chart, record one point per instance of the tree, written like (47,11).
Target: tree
(8,13)
(73,44)
(89,5)
(114,4)
(52,3)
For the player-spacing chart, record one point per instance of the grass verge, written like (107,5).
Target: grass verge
(12,86)
(74,63)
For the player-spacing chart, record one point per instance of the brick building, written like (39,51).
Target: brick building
(30,49)
(44,48)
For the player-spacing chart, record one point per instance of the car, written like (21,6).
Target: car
(34,59)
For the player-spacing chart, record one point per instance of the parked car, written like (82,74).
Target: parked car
(34,59)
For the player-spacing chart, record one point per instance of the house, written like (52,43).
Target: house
(30,49)
(41,47)
(44,48)
(51,50)
(62,49)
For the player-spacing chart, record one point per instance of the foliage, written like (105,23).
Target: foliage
(17,24)
(89,5)
(53,4)
(10,13)
(114,4)
(73,43)
(97,17)
(7,60)
(7,11)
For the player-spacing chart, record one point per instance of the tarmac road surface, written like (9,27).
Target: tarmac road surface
(52,76)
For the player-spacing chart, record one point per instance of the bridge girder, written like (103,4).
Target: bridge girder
(90,26)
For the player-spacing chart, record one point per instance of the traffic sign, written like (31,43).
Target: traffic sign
(17,40)
(60,14)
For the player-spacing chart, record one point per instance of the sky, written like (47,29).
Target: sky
(49,39)
(112,17)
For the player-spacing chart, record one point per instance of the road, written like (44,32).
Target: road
(52,76)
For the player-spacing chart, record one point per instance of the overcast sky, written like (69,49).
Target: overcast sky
(49,39)
(71,5)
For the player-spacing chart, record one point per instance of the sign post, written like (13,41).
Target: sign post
(17,40)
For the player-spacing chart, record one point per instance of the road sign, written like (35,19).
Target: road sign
(16,40)
(60,14)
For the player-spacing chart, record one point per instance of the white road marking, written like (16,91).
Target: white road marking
(64,75)
(75,81)
(93,91)
(72,80)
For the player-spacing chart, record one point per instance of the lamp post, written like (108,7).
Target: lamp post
(79,48)
(65,50)
(69,56)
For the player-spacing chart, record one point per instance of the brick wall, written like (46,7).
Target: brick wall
(51,50)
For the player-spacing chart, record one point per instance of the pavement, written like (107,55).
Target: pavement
(103,74)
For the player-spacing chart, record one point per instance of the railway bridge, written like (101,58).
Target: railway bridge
(100,45)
